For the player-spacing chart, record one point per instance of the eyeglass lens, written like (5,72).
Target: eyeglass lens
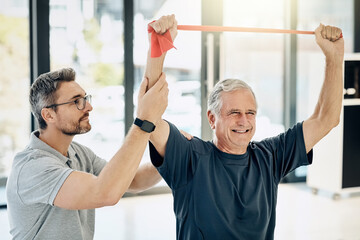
(81,102)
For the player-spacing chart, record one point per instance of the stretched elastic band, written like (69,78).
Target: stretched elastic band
(162,43)
(239,29)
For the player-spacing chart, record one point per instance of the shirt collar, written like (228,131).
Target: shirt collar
(71,152)
(36,143)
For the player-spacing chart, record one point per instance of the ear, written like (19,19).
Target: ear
(211,119)
(48,114)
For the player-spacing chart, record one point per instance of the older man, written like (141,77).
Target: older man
(227,188)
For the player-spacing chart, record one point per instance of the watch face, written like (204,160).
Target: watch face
(147,126)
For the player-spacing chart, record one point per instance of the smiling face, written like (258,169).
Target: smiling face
(235,125)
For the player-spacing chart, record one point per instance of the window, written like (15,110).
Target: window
(310,59)
(14,81)
(310,62)
(88,36)
(182,65)
(257,58)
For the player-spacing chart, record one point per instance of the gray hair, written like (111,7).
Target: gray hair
(227,85)
(43,91)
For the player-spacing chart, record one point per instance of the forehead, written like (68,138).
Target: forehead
(238,99)
(68,90)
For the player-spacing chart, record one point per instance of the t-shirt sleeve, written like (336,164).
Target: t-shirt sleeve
(176,167)
(40,179)
(98,164)
(289,151)
(94,163)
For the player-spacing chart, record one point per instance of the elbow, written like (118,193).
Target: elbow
(329,121)
(111,199)
(334,122)
(108,197)
(135,187)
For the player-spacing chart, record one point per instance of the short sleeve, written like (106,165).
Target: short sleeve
(289,151)
(176,168)
(91,163)
(40,179)
(98,164)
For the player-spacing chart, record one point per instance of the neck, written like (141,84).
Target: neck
(56,140)
(237,150)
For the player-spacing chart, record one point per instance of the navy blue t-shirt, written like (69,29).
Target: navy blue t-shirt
(224,196)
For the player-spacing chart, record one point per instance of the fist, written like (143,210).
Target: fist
(331,42)
(331,33)
(164,24)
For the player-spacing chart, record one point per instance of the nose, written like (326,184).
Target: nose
(241,119)
(88,107)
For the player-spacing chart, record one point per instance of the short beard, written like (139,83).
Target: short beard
(77,130)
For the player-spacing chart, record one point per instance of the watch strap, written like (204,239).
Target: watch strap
(144,125)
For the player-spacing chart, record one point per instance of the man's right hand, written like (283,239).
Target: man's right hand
(165,23)
(152,103)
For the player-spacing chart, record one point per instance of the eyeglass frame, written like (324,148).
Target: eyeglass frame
(87,98)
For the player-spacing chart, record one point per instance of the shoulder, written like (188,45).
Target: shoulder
(81,150)
(200,146)
(77,147)
(41,161)
(196,144)
(29,163)
(35,156)
(292,133)
(285,142)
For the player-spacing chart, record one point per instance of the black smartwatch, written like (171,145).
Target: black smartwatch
(144,125)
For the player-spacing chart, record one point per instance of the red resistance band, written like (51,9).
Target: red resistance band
(159,43)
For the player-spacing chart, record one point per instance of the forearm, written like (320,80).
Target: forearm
(146,177)
(327,112)
(115,178)
(154,68)
(329,106)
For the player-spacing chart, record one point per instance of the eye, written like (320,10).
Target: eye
(77,101)
(234,112)
(250,113)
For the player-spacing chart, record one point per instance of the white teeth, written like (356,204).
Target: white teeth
(238,131)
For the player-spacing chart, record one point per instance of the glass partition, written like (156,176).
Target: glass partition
(14,81)
(182,65)
(88,36)
(257,58)
(310,59)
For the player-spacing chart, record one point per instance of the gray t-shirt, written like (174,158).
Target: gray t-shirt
(37,175)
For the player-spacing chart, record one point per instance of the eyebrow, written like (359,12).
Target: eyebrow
(76,96)
(238,110)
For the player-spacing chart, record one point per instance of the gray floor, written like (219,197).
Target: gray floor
(300,216)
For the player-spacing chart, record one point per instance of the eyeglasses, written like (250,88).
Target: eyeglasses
(80,102)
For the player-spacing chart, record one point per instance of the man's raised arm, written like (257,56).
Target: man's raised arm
(153,71)
(327,112)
